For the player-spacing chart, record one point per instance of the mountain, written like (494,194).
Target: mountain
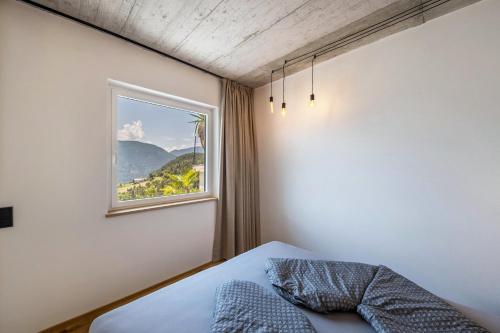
(180,152)
(138,159)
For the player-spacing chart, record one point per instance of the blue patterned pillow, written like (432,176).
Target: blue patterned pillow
(394,304)
(323,286)
(244,306)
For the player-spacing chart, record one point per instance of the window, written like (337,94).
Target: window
(162,147)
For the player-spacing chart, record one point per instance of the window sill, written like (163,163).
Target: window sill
(145,208)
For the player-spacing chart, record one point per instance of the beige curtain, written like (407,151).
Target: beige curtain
(237,227)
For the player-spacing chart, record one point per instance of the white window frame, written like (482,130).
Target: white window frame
(118,88)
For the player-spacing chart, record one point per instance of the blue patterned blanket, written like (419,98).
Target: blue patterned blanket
(385,299)
(394,304)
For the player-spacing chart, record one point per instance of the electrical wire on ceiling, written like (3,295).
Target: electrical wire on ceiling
(420,9)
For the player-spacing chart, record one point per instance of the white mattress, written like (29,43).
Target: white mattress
(186,306)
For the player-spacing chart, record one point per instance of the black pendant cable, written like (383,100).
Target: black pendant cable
(311,97)
(271,99)
(419,9)
(283,104)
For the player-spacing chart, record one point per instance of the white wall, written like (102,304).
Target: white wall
(63,257)
(400,162)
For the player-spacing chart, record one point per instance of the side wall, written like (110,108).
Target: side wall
(399,164)
(63,257)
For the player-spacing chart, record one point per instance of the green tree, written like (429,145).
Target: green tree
(181,184)
(150,192)
(199,131)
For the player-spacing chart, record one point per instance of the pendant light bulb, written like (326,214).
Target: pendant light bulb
(283,104)
(312,103)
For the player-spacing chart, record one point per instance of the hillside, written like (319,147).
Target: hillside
(175,177)
(138,159)
(180,165)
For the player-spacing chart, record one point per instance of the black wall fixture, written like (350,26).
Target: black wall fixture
(6,217)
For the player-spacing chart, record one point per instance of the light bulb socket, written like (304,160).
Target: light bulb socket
(283,105)
(271,99)
(311,98)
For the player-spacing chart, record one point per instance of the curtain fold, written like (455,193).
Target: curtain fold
(237,227)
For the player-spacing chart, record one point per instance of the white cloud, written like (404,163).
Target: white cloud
(133,131)
(181,146)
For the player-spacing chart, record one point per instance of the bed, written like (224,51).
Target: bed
(187,306)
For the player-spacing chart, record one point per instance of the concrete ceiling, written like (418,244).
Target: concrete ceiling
(241,39)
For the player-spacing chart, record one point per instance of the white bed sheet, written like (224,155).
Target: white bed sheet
(187,305)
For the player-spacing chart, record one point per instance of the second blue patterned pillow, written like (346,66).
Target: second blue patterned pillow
(320,285)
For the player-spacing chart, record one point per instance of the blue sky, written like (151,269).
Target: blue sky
(164,127)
